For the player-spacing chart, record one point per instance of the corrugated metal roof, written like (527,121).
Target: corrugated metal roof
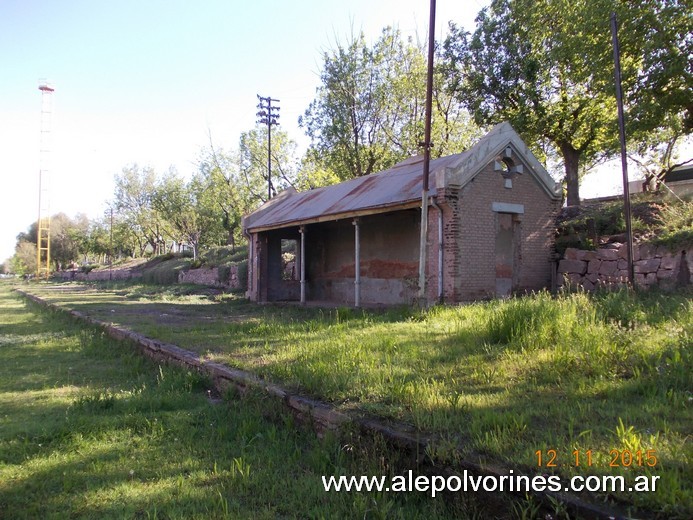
(400,186)
(397,186)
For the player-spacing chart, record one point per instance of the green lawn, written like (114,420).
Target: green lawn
(89,430)
(496,381)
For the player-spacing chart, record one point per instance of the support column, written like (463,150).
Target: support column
(302,230)
(357,263)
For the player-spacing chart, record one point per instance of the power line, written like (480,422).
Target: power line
(268,117)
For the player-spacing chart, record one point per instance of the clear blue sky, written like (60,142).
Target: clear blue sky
(144,81)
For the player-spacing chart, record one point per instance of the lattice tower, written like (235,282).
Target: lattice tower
(43,229)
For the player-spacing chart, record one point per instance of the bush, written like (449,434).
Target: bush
(243,275)
(224,255)
(678,225)
(87,268)
(224,272)
(165,272)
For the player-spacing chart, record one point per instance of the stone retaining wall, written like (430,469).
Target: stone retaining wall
(99,276)
(201,276)
(653,266)
(211,276)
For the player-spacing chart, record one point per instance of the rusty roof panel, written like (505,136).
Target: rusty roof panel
(398,185)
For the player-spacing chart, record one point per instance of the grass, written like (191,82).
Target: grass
(87,430)
(677,230)
(656,218)
(165,269)
(495,381)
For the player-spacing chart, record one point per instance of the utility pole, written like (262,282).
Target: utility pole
(624,161)
(423,250)
(269,118)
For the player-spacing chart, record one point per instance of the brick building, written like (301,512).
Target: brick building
(490,231)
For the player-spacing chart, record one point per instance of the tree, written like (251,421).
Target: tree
(547,67)
(24,260)
(544,67)
(134,188)
(68,238)
(369,110)
(658,36)
(176,203)
(656,154)
(218,182)
(253,164)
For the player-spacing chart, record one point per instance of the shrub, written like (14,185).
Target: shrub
(224,272)
(224,255)
(243,275)
(165,272)
(87,268)
(678,225)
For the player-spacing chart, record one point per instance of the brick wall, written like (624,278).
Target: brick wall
(475,235)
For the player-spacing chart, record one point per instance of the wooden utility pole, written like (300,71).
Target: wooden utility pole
(423,249)
(624,162)
(269,118)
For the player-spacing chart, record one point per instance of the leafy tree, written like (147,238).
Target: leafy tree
(68,238)
(312,174)
(658,36)
(232,184)
(544,66)
(24,260)
(656,154)
(369,111)
(253,164)
(547,67)
(219,190)
(176,203)
(134,188)
(109,237)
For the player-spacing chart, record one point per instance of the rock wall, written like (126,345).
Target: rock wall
(201,276)
(99,276)
(653,266)
(211,276)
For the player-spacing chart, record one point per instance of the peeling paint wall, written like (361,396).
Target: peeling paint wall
(389,259)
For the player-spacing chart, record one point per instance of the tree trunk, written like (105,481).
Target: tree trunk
(230,240)
(571,159)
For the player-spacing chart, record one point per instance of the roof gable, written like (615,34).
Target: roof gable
(492,146)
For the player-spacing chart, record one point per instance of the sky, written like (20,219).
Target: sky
(148,82)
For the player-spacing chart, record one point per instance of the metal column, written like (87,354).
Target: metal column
(302,230)
(357,263)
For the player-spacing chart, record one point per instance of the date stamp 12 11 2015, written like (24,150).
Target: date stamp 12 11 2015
(551,458)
